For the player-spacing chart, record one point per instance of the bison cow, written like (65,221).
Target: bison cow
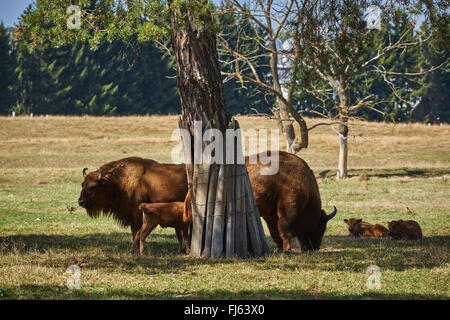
(404,230)
(359,228)
(117,188)
(289,201)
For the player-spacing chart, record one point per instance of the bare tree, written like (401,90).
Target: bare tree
(325,40)
(270,24)
(332,39)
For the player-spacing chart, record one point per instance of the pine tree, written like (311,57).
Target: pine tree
(120,77)
(434,103)
(6,71)
(152,76)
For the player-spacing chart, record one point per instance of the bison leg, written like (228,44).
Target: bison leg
(286,244)
(305,242)
(180,240)
(135,244)
(134,234)
(143,234)
(273,230)
(134,230)
(188,237)
(185,233)
(284,234)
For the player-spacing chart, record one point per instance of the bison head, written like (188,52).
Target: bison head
(93,192)
(311,241)
(96,191)
(353,225)
(395,229)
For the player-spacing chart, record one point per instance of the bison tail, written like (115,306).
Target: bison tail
(187,212)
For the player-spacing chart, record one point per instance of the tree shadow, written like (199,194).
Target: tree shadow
(342,253)
(102,250)
(339,241)
(42,242)
(387,173)
(44,292)
(108,242)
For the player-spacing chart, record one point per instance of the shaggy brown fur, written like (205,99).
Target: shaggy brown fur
(405,230)
(289,201)
(167,215)
(359,228)
(118,187)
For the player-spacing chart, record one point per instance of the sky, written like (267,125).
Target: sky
(10,10)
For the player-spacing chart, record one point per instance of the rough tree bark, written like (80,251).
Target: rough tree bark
(342,172)
(226,221)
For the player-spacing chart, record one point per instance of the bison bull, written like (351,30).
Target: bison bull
(118,187)
(288,201)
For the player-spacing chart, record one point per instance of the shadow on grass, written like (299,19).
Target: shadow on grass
(363,243)
(386,173)
(342,253)
(339,253)
(113,242)
(108,251)
(61,293)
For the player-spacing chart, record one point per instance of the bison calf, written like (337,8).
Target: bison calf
(358,228)
(405,230)
(172,214)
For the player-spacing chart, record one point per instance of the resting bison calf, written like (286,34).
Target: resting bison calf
(359,228)
(405,230)
(288,201)
(167,215)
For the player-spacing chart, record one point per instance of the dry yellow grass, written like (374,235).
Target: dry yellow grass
(392,167)
(71,142)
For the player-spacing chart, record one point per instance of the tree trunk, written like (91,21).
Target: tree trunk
(341,90)
(342,172)
(284,111)
(226,221)
(286,124)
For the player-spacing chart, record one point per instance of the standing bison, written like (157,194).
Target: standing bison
(289,201)
(117,188)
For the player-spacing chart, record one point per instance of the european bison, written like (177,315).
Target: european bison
(167,215)
(118,187)
(405,230)
(359,228)
(289,201)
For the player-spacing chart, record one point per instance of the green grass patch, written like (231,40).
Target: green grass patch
(43,232)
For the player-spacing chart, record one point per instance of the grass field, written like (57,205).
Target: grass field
(42,231)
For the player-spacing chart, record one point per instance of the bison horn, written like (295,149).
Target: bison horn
(331,215)
(84,172)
